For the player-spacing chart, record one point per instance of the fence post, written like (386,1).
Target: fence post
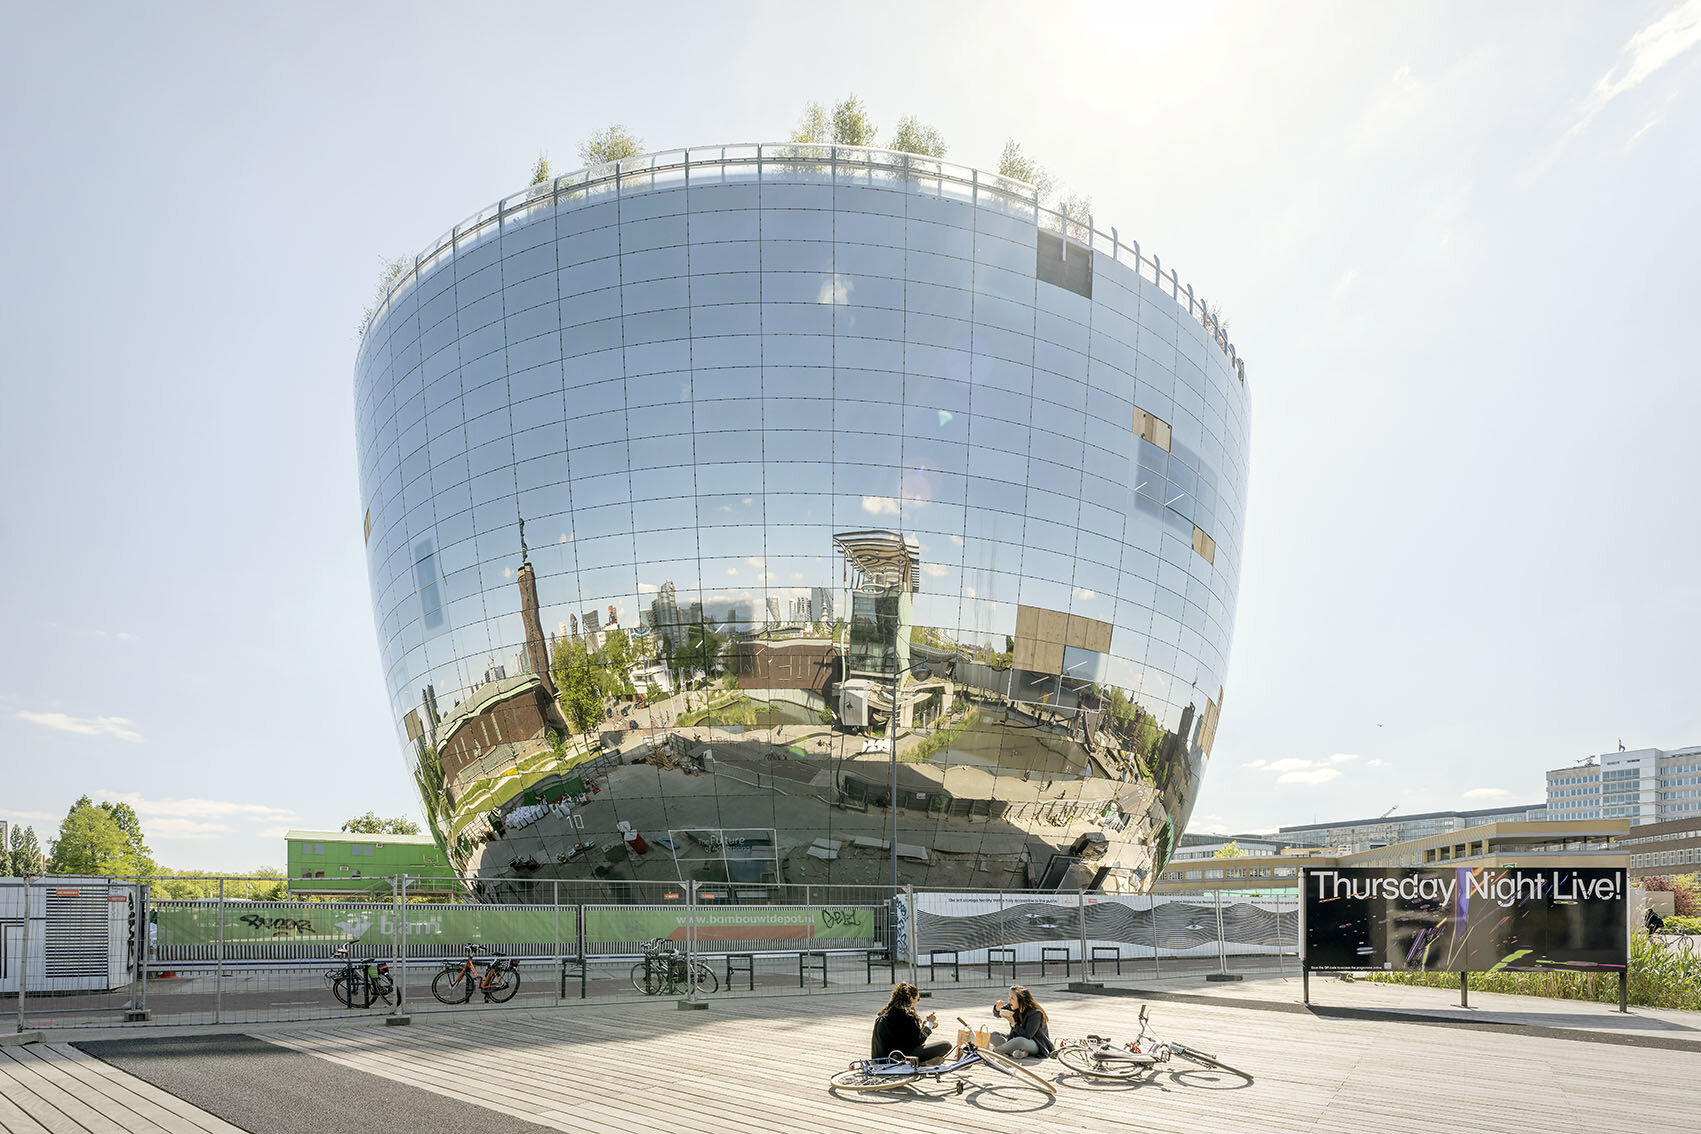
(1152,911)
(1222,955)
(24,953)
(555,945)
(1081,924)
(218,967)
(400,1014)
(909,928)
(142,949)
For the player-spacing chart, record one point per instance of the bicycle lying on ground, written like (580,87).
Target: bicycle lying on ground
(665,971)
(1102,1059)
(896,1070)
(498,980)
(358,984)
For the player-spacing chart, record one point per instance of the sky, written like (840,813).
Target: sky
(1457,245)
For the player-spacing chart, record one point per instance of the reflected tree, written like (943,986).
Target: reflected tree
(914,137)
(1014,163)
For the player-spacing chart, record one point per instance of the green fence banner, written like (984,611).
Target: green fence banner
(746,923)
(311,923)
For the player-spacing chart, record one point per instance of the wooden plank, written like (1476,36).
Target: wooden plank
(47,1084)
(192,1116)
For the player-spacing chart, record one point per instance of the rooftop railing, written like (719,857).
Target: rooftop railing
(857,164)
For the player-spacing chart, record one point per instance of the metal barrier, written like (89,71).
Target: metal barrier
(228,959)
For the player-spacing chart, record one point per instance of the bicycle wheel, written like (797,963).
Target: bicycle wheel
(707,982)
(384,987)
(1016,1071)
(449,988)
(344,991)
(1086,1060)
(646,979)
(859,1078)
(503,989)
(1204,1060)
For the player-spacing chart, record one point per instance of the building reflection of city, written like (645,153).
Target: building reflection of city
(747,751)
(780,431)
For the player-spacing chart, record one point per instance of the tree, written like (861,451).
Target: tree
(1014,163)
(1230,849)
(128,822)
(912,137)
(816,125)
(25,857)
(540,171)
(393,271)
(702,649)
(370,824)
(1078,208)
(851,125)
(91,842)
(581,700)
(613,143)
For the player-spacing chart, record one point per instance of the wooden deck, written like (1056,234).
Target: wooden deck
(761,1067)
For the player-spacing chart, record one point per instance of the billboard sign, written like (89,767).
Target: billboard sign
(1464,919)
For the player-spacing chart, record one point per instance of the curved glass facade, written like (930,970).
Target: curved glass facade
(665,472)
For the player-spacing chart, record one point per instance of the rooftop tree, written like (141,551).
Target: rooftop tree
(613,143)
(914,137)
(1014,163)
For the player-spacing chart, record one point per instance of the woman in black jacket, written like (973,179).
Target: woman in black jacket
(899,1031)
(1027,1034)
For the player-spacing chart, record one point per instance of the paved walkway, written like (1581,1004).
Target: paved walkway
(755,1065)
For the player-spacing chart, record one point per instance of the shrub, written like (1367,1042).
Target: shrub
(1661,976)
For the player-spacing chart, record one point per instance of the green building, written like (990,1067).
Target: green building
(342,863)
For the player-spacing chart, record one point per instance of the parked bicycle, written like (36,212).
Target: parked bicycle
(665,971)
(357,984)
(499,980)
(895,1070)
(1102,1059)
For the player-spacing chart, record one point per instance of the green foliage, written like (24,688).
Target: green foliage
(702,649)
(24,857)
(613,143)
(1661,976)
(1078,209)
(913,137)
(1677,923)
(1685,890)
(941,738)
(1231,849)
(1014,163)
(653,693)
(815,126)
(581,699)
(540,171)
(393,271)
(370,824)
(267,884)
(851,125)
(92,841)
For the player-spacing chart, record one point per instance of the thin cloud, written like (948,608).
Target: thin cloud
(880,505)
(1488,793)
(84,726)
(1294,770)
(202,810)
(1649,51)
(1310,776)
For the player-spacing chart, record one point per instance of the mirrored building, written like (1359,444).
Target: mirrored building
(701,491)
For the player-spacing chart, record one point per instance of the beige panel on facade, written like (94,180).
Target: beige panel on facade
(1027,622)
(1208,725)
(1088,634)
(1038,657)
(1204,544)
(1153,429)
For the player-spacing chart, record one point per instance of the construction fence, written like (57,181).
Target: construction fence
(102,951)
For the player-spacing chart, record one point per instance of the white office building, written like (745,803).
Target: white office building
(1645,785)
